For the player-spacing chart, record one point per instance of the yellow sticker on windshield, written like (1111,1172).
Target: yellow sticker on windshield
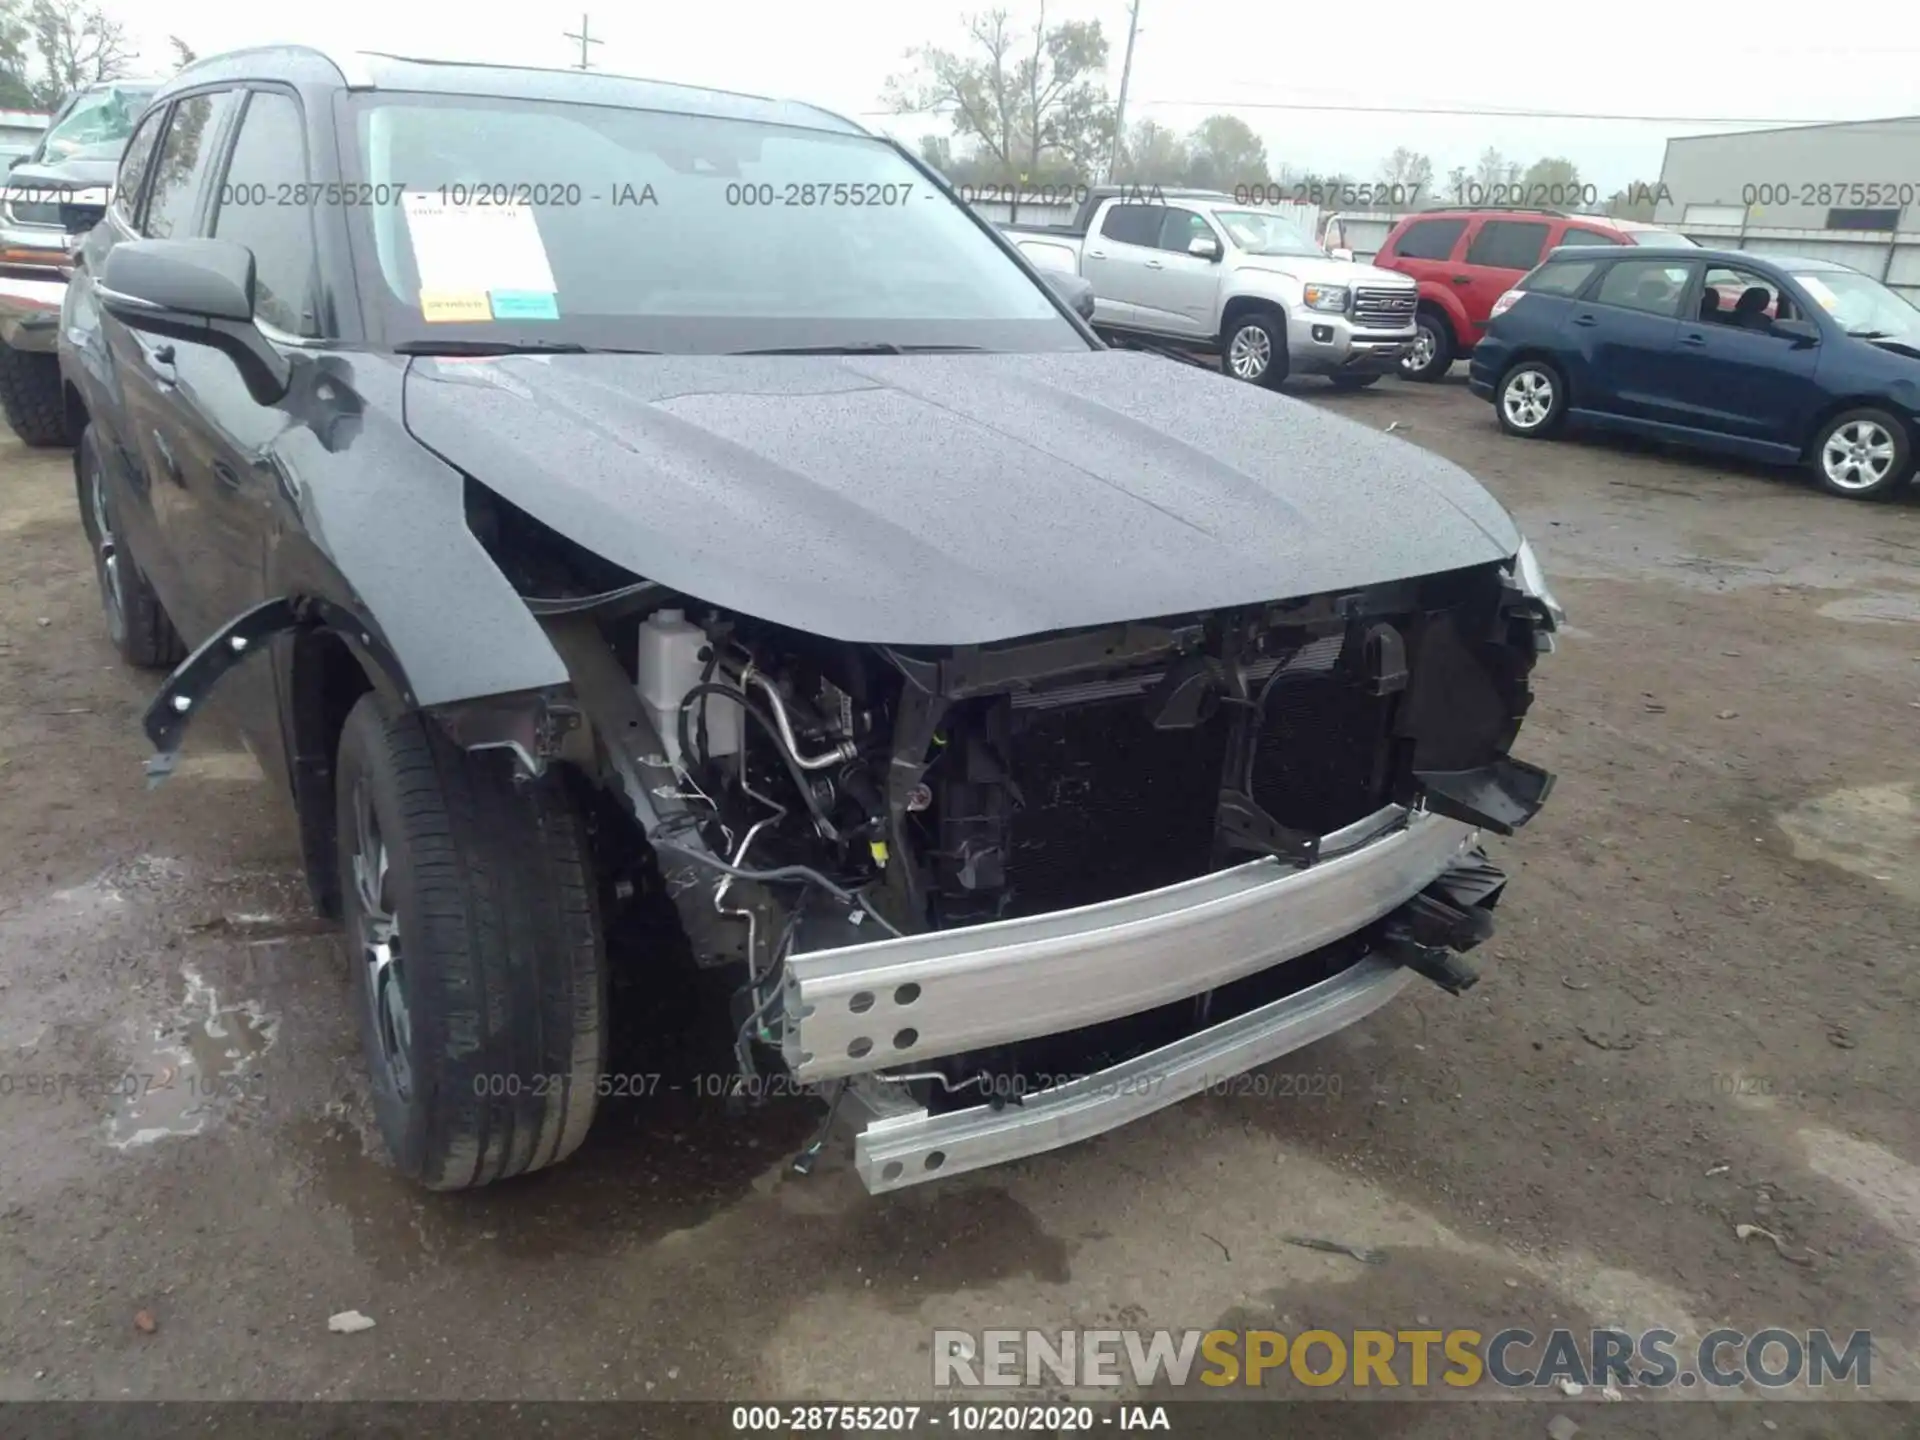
(445,305)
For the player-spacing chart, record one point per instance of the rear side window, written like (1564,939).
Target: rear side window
(1560,277)
(1508,244)
(1132,224)
(183,165)
(135,164)
(1429,239)
(1651,286)
(1576,236)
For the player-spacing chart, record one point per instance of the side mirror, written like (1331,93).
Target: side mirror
(1205,246)
(1803,331)
(199,291)
(1074,289)
(1341,252)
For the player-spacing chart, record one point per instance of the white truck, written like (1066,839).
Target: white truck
(1195,269)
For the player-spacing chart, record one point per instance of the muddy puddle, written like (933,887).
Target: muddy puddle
(199,1063)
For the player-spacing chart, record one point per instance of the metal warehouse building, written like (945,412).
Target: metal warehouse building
(1848,192)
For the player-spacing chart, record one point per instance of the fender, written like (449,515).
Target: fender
(1448,303)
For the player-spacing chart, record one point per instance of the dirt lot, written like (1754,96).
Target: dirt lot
(1699,1011)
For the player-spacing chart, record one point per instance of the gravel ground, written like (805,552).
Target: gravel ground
(1694,1016)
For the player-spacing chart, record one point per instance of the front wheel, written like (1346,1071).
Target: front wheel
(1432,352)
(1256,349)
(1531,399)
(479,963)
(1863,454)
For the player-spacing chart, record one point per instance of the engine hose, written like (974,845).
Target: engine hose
(739,698)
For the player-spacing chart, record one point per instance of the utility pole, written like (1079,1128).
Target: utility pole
(1120,110)
(585,40)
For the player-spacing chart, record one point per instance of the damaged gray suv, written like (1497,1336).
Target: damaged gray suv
(652,531)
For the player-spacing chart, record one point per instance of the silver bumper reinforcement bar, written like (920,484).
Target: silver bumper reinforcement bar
(858,1008)
(901,1149)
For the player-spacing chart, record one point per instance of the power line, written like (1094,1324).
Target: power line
(1473,111)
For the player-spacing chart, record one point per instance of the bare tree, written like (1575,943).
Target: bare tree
(1408,169)
(1036,103)
(183,53)
(77,45)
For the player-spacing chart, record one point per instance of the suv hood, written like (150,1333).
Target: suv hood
(951,499)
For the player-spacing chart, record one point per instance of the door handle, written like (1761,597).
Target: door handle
(1096,254)
(1696,338)
(1463,279)
(1586,320)
(1154,265)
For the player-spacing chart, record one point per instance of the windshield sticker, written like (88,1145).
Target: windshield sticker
(454,305)
(470,249)
(524,304)
(1828,300)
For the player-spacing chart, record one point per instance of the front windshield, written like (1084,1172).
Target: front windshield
(1862,306)
(98,125)
(1259,232)
(538,222)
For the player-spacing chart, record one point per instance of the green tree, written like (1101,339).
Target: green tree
(1552,181)
(1153,154)
(1224,152)
(1034,103)
(16,90)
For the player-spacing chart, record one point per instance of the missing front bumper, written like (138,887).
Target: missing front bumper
(857,1008)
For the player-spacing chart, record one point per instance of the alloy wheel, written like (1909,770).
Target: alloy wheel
(1250,353)
(1858,455)
(1528,399)
(378,926)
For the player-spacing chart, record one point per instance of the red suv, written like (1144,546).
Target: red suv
(1465,258)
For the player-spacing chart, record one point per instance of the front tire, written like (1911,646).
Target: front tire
(1432,353)
(137,622)
(1531,399)
(1255,349)
(479,963)
(1863,454)
(30,396)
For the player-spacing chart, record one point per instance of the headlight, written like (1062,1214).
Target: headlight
(1325,297)
(1533,580)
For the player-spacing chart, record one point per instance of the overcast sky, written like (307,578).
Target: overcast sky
(1847,59)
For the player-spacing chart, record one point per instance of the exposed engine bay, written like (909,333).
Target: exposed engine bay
(801,795)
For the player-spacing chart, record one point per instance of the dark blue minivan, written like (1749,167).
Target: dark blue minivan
(1796,361)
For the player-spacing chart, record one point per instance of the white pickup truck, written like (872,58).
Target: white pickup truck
(1196,269)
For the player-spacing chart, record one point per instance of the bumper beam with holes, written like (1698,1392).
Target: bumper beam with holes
(858,1008)
(906,1146)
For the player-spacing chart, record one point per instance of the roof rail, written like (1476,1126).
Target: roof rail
(1526,210)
